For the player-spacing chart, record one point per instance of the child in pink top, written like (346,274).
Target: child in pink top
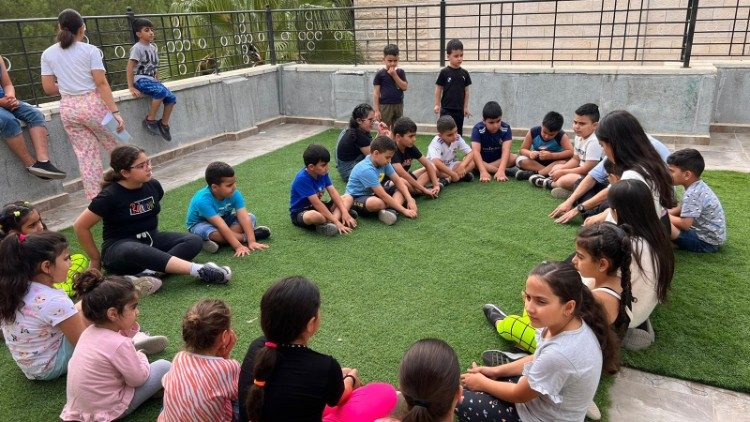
(107,377)
(202,384)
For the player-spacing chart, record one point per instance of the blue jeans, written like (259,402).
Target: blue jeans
(204,228)
(689,241)
(155,90)
(9,125)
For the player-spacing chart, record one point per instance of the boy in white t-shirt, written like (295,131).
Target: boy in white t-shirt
(442,153)
(587,153)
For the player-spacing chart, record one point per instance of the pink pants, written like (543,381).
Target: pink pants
(82,116)
(365,404)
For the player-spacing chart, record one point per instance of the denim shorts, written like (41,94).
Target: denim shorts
(155,90)
(9,125)
(689,241)
(204,228)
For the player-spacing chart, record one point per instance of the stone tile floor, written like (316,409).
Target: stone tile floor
(636,395)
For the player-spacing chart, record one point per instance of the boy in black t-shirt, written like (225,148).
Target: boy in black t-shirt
(389,85)
(452,86)
(405,134)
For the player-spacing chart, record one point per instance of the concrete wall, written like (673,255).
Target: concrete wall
(207,107)
(732,93)
(666,100)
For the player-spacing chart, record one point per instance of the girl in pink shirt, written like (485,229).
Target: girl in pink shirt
(107,377)
(202,384)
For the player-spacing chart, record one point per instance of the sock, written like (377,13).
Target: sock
(149,272)
(194,269)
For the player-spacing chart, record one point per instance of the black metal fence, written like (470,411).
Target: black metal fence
(546,32)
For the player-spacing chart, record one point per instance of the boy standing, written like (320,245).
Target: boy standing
(306,207)
(442,153)
(389,85)
(586,154)
(217,214)
(452,86)
(491,140)
(543,147)
(143,78)
(366,189)
(698,222)
(405,134)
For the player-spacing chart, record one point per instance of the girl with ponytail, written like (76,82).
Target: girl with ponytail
(40,323)
(202,384)
(284,380)
(354,142)
(557,382)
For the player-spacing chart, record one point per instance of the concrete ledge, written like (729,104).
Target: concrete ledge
(46,204)
(730,128)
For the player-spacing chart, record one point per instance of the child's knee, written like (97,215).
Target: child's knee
(170,99)
(374,204)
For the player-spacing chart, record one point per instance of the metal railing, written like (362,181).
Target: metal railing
(546,32)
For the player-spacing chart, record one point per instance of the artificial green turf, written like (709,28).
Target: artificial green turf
(385,287)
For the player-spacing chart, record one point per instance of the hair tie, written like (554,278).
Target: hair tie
(16,213)
(259,383)
(270,345)
(21,238)
(421,403)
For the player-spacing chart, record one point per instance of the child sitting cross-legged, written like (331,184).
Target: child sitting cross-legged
(698,222)
(202,384)
(405,134)
(306,207)
(491,140)
(442,153)
(543,147)
(368,193)
(107,377)
(218,215)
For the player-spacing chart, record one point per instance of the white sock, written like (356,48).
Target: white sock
(194,269)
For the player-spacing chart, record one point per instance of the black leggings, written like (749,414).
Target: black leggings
(152,252)
(477,406)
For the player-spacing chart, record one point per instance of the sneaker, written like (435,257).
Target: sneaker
(541,181)
(149,344)
(534,178)
(637,338)
(511,172)
(262,232)
(493,314)
(499,357)
(152,127)
(45,170)
(164,131)
(547,184)
(146,285)
(353,214)
(443,182)
(209,246)
(468,178)
(561,193)
(524,174)
(214,274)
(388,217)
(327,229)
(593,413)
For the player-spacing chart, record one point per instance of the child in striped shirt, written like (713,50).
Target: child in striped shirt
(202,384)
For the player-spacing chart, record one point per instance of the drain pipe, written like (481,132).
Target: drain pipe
(280,86)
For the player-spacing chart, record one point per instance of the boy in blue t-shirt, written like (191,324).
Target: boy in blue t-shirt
(369,194)
(544,147)
(217,214)
(389,85)
(698,222)
(306,207)
(491,140)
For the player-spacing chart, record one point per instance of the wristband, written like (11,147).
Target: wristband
(352,377)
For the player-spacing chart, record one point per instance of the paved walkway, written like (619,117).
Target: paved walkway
(636,395)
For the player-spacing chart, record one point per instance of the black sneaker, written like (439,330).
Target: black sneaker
(151,126)
(524,174)
(262,232)
(327,229)
(499,357)
(547,183)
(540,181)
(353,214)
(45,170)
(493,314)
(511,172)
(468,178)
(164,131)
(214,274)
(443,182)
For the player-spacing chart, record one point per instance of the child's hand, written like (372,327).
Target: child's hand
(241,250)
(437,109)
(545,155)
(349,221)
(432,192)
(561,209)
(411,204)
(7,102)
(135,93)
(120,122)
(484,176)
(467,113)
(255,246)
(409,213)
(228,344)
(383,129)
(474,379)
(500,176)
(377,115)
(534,155)
(343,229)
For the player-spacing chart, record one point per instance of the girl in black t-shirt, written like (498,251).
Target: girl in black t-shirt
(129,207)
(283,380)
(354,142)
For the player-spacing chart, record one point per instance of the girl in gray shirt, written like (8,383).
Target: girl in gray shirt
(559,380)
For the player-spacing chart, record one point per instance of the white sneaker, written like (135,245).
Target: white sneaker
(592,412)
(146,285)
(149,344)
(327,229)
(209,246)
(388,217)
